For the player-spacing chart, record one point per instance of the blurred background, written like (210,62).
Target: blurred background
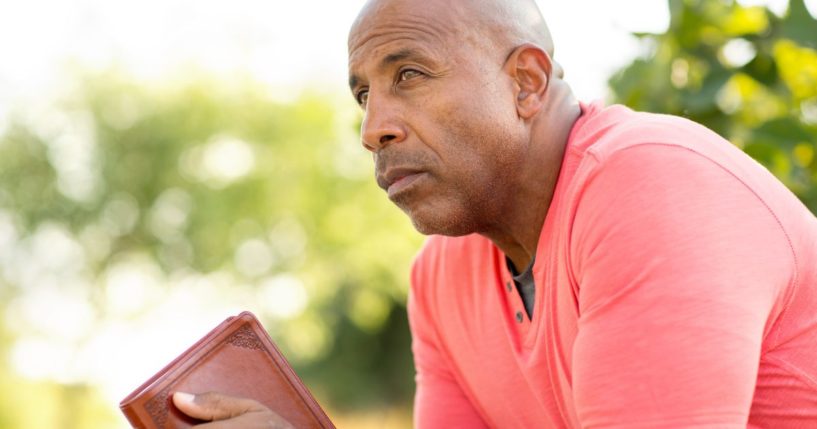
(165,164)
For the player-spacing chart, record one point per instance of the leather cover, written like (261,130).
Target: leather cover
(236,358)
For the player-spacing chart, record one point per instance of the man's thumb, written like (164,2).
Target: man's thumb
(213,406)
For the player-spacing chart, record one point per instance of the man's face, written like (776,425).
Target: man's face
(440,118)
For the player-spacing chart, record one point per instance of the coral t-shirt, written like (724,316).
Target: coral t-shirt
(676,286)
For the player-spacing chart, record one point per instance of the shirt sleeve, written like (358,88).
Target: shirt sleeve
(439,400)
(679,265)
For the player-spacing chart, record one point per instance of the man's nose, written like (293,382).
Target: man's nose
(381,125)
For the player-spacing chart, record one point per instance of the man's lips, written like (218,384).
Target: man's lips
(396,179)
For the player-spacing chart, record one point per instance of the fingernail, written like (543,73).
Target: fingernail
(184,397)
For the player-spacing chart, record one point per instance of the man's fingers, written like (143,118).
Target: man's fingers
(214,406)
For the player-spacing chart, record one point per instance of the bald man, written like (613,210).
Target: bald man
(588,266)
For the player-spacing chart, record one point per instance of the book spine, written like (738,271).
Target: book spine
(132,417)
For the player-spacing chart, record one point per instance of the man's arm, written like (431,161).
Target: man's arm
(439,401)
(679,266)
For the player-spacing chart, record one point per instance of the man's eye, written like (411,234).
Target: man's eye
(409,74)
(362,97)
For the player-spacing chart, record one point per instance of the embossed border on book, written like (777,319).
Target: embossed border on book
(245,337)
(157,407)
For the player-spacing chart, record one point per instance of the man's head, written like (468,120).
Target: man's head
(453,93)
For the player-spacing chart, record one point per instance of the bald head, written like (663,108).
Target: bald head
(499,25)
(513,22)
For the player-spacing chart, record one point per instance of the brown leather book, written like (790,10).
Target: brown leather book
(236,358)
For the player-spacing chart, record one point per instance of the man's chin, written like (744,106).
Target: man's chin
(435,224)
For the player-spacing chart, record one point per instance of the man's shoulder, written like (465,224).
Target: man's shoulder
(608,130)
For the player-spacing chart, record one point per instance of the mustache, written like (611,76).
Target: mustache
(384,160)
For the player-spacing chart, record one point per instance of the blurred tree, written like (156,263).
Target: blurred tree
(742,71)
(214,179)
(217,181)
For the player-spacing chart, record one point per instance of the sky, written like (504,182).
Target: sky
(285,44)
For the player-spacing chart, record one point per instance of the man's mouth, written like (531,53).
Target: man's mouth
(403,183)
(396,180)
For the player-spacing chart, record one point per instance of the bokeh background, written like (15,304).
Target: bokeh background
(165,164)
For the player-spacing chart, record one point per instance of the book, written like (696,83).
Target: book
(237,358)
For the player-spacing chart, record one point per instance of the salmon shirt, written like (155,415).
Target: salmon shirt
(676,286)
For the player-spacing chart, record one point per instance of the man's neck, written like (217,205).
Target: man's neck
(517,231)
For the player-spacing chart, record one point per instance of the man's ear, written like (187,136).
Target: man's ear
(530,68)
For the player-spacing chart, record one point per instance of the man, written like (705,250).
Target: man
(590,266)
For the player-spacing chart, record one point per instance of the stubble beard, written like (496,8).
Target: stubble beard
(451,225)
(474,204)
(457,213)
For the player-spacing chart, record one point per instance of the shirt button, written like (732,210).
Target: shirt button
(508,284)
(519,317)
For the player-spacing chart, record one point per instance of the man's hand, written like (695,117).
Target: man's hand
(226,412)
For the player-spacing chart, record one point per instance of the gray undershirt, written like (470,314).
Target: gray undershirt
(524,284)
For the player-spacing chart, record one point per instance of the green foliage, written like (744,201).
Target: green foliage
(120,172)
(742,71)
(218,180)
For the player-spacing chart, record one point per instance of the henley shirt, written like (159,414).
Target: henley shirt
(676,286)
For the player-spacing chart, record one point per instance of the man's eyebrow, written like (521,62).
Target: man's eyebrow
(353,81)
(388,60)
(397,56)
(403,54)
